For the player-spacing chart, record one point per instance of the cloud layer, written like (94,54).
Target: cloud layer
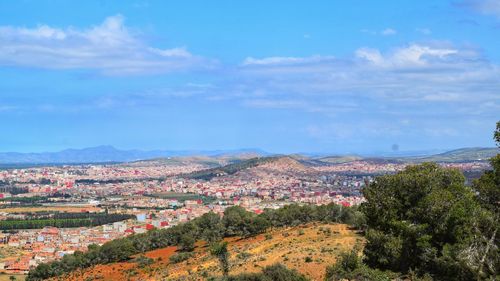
(487,7)
(109,47)
(377,93)
(417,89)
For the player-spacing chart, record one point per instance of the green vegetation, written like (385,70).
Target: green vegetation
(458,155)
(426,220)
(276,272)
(209,227)
(181,197)
(230,169)
(496,134)
(26,200)
(423,223)
(350,267)
(180,257)
(63,220)
(143,261)
(219,250)
(4,187)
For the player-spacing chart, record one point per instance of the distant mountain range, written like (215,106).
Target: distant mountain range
(109,154)
(106,153)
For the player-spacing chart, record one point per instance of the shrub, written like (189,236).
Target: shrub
(180,257)
(143,261)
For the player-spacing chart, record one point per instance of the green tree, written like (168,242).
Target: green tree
(186,242)
(484,251)
(211,227)
(423,218)
(220,251)
(276,272)
(496,134)
(350,267)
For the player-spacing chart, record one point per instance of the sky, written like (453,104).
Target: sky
(283,76)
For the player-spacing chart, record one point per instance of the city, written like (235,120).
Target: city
(194,140)
(162,193)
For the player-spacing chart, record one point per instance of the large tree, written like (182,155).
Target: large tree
(496,135)
(425,219)
(484,252)
(220,251)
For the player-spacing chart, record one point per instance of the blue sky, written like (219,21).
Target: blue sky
(283,76)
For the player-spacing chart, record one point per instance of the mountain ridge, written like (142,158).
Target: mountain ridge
(110,154)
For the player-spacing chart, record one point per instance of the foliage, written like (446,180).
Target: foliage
(220,251)
(496,134)
(276,272)
(143,261)
(425,218)
(230,169)
(14,190)
(484,251)
(238,222)
(350,267)
(209,227)
(180,257)
(63,220)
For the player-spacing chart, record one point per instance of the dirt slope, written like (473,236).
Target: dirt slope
(290,246)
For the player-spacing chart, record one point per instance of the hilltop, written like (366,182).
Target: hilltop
(458,155)
(272,163)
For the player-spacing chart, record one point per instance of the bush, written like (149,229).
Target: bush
(350,267)
(180,257)
(143,261)
(276,272)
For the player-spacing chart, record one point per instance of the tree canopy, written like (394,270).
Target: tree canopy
(425,219)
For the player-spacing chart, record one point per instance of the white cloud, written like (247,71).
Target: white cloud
(385,32)
(388,31)
(410,81)
(424,31)
(110,48)
(285,60)
(412,55)
(487,7)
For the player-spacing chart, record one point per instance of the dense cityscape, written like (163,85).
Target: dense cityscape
(152,140)
(160,194)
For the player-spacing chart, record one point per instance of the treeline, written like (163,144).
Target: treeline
(64,220)
(14,190)
(210,227)
(117,181)
(34,200)
(26,200)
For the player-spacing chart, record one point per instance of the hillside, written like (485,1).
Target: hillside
(339,159)
(289,246)
(458,155)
